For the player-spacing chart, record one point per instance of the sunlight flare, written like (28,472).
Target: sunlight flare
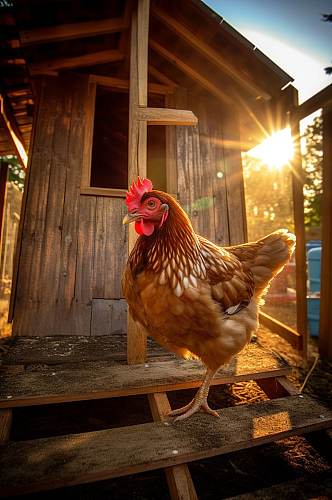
(276,151)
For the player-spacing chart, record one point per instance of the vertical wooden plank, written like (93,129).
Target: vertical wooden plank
(325,337)
(33,221)
(300,253)
(180,483)
(110,253)
(137,143)
(108,316)
(18,247)
(88,140)
(78,85)
(3,189)
(116,246)
(80,323)
(219,177)
(234,179)
(203,170)
(98,287)
(171,167)
(143,14)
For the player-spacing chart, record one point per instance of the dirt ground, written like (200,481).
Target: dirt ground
(238,473)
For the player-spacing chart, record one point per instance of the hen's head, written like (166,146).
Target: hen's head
(148,208)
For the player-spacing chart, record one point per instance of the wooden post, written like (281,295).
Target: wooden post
(180,483)
(5,424)
(298,207)
(3,189)
(325,334)
(137,146)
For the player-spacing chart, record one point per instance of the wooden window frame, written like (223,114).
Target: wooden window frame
(86,188)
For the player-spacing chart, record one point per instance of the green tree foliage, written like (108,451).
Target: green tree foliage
(328,19)
(268,194)
(313,167)
(16,174)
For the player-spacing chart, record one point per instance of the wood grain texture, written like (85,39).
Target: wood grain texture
(121,84)
(137,143)
(72,31)
(325,338)
(180,483)
(108,316)
(166,116)
(81,458)
(286,332)
(189,70)
(200,167)
(58,349)
(234,179)
(91,380)
(298,179)
(52,66)
(215,57)
(47,272)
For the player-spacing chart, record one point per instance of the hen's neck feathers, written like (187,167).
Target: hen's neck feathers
(173,250)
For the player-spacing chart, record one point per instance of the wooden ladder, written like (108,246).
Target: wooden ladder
(53,462)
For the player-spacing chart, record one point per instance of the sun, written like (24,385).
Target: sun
(276,151)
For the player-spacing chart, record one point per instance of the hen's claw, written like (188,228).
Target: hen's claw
(193,407)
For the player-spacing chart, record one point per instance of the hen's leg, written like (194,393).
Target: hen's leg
(199,401)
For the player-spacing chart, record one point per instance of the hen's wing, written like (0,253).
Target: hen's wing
(231,284)
(266,257)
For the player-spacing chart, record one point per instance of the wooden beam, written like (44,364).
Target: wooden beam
(319,100)
(120,84)
(13,132)
(325,332)
(161,77)
(3,191)
(209,53)
(52,66)
(71,31)
(137,143)
(180,483)
(191,72)
(298,208)
(286,332)
(166,116)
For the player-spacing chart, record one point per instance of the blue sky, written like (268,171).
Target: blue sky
(290,32)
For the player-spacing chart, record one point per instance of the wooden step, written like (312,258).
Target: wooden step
(43,464)
(74,349)
(91,380)
(311,486)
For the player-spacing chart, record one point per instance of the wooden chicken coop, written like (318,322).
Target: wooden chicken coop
(95,93)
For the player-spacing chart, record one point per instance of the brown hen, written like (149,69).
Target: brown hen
(195,298)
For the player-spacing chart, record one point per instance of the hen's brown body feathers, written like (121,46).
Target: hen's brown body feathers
(195,298)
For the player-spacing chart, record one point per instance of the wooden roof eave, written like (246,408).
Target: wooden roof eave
(278,72)
(211,54)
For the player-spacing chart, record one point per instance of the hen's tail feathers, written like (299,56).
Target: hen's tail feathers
(266,257)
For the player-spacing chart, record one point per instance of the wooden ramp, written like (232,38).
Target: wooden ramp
(42,464)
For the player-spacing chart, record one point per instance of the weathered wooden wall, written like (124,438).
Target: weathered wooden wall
(208,158)
(73,246)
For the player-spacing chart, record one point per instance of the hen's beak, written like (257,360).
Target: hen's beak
(131,217)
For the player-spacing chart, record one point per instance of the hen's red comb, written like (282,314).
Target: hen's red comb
(136,191)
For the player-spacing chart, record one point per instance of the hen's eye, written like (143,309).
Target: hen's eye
(151,204)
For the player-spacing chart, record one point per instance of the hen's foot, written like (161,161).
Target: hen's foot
(193,407)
